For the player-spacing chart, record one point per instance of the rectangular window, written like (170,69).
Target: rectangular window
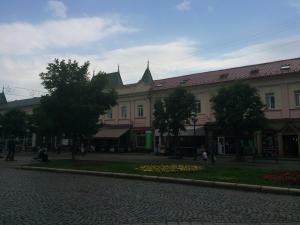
(297,98)
(270,101)
(198,106)
(124,112)
(140,110)
(109,114)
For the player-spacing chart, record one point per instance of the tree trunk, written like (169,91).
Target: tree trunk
(238,149)
(175,145)
(74,147)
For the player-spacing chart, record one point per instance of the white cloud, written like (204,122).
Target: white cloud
(57,8)
(166,60)
(185,5)
(24,38)
(183,57)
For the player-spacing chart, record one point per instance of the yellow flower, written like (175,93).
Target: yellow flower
(169,168)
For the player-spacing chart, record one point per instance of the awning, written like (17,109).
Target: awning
(106,132)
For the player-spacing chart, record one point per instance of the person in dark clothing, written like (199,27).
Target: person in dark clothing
(11,147)
(42,154)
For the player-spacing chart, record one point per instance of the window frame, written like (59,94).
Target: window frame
(124,112)
(198,109)
(269,103)
(140,110)
(297,98)
(109,114)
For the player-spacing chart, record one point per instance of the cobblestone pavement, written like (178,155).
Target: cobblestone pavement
(41,198)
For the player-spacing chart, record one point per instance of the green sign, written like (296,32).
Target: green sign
(148,139)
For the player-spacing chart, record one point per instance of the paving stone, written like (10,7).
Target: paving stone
(31,197)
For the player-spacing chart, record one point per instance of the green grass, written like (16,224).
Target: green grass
(230,172)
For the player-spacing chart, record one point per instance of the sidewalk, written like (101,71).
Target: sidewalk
(22,158)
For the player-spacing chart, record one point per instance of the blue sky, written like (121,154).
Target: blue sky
(177,36)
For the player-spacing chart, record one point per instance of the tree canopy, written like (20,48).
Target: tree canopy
(74,102)
(160,121)
(180,104)
(14,122)
(238,110)
(171,114)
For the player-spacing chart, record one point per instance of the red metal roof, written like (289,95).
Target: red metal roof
(238,73)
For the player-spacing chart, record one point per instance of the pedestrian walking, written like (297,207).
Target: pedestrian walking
(11,147)
(204,156)
(82,149)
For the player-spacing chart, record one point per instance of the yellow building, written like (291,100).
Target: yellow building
(278,84)
(128,125)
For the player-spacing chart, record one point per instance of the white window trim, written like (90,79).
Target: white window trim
(140,111)
(124,112)
(297,93)
(268,97)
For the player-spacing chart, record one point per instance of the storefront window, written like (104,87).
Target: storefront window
(140,140)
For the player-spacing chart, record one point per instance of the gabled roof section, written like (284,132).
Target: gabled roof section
(114,79)
(21,103)
(270,69)
(147,76)
(3,100)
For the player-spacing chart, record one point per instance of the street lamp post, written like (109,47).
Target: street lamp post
(194,120)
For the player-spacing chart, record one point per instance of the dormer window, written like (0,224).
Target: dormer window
(254,72)
(224,76)
(285,67)
(184,81)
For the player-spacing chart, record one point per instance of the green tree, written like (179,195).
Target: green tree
(239,112)
(180,104)
(14,123)
(1,127)
(160,121)
(74,102)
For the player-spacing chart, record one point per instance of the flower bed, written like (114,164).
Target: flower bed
(287,177)
(169,168)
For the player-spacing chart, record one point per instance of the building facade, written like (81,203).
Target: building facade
(278,84)
(128,125)
(131,117)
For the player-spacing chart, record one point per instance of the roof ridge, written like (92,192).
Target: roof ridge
(213,71)
(24,99)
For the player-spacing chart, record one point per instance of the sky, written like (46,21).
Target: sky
(178,37)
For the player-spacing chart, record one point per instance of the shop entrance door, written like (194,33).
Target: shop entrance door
(221,145)
(290,145)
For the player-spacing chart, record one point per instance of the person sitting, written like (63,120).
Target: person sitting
(42,154)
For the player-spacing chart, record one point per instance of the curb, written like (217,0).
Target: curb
(216,184)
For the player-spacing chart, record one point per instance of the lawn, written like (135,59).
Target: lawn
(231,172)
